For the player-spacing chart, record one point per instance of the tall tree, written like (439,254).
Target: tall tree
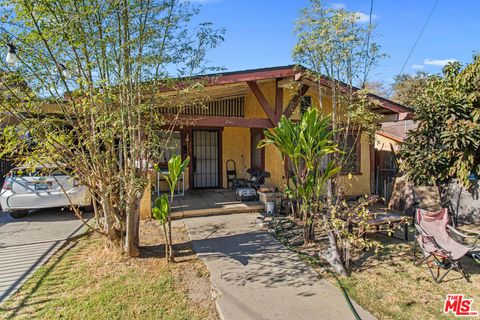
(340,52)
(446,143)
(378,88)
(408,88)
(333,44)
(94,71)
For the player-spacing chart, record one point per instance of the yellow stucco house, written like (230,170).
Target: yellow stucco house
(244,103)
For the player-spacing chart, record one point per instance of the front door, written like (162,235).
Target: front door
(205,158)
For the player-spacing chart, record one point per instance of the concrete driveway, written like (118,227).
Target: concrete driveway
(27,243)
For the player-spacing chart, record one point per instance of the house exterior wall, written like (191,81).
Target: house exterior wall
(359,183)
(383,143)
(236,146)
(236,143)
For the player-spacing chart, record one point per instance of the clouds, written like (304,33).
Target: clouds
(338,6)
(418,66)
(363,17)
(438,62)
(433,62)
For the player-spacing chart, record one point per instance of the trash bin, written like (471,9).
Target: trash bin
(269,207)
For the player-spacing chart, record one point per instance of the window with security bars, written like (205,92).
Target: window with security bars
(171,145)
(305,103)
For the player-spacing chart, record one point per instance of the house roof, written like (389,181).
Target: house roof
(389,136)
(232,77)
(397,130)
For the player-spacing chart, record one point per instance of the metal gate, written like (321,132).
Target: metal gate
(385,173)
(205,159)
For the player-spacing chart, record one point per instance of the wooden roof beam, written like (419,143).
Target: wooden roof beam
(262,101)
(278,100)
(294,102)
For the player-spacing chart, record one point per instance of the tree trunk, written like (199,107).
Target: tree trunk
(333,256)
(308,232)
(346,258)
(112,232)
(170,257)
(132,227)
(167,246)
(443,194)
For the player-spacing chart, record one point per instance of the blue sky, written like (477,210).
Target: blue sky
(259,32)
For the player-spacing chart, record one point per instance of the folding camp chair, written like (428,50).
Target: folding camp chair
(440,250)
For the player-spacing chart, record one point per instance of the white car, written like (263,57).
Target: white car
(24,190)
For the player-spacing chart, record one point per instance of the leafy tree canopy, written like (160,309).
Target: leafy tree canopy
(407,88)
(87,88)
(446,144)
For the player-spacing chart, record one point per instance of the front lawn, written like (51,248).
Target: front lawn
(87,280)
(391,287)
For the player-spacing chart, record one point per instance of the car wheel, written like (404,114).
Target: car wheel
(17,214)
(87,209)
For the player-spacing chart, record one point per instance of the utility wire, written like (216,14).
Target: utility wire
(419,35)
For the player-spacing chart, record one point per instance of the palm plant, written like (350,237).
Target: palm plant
(307,144)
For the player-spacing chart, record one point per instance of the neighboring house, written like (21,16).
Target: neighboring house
(400,193)
(243,104)
(388,141)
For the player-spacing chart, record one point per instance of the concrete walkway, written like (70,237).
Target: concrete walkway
(256,277)
(27,243)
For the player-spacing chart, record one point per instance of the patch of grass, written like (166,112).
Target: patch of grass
(87,280)
(391,287)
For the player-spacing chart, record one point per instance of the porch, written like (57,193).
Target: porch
(211,202)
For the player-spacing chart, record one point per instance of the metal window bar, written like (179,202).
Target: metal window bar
(226,107)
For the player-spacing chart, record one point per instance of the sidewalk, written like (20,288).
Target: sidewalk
(256,277)
(27,243)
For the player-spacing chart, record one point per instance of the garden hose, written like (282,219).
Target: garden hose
(476,257)
(347,298)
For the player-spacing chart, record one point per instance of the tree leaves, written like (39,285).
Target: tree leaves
(161,209)
(446,143)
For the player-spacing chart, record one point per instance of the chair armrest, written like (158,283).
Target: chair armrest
(477,237)
(461,234)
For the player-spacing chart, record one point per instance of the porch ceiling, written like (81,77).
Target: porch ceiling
(227,90)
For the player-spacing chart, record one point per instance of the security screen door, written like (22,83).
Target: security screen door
(205,159)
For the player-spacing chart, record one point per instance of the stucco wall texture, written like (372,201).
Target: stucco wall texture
(236,142)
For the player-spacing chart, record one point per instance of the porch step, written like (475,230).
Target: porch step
(256,208)
(198,203)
